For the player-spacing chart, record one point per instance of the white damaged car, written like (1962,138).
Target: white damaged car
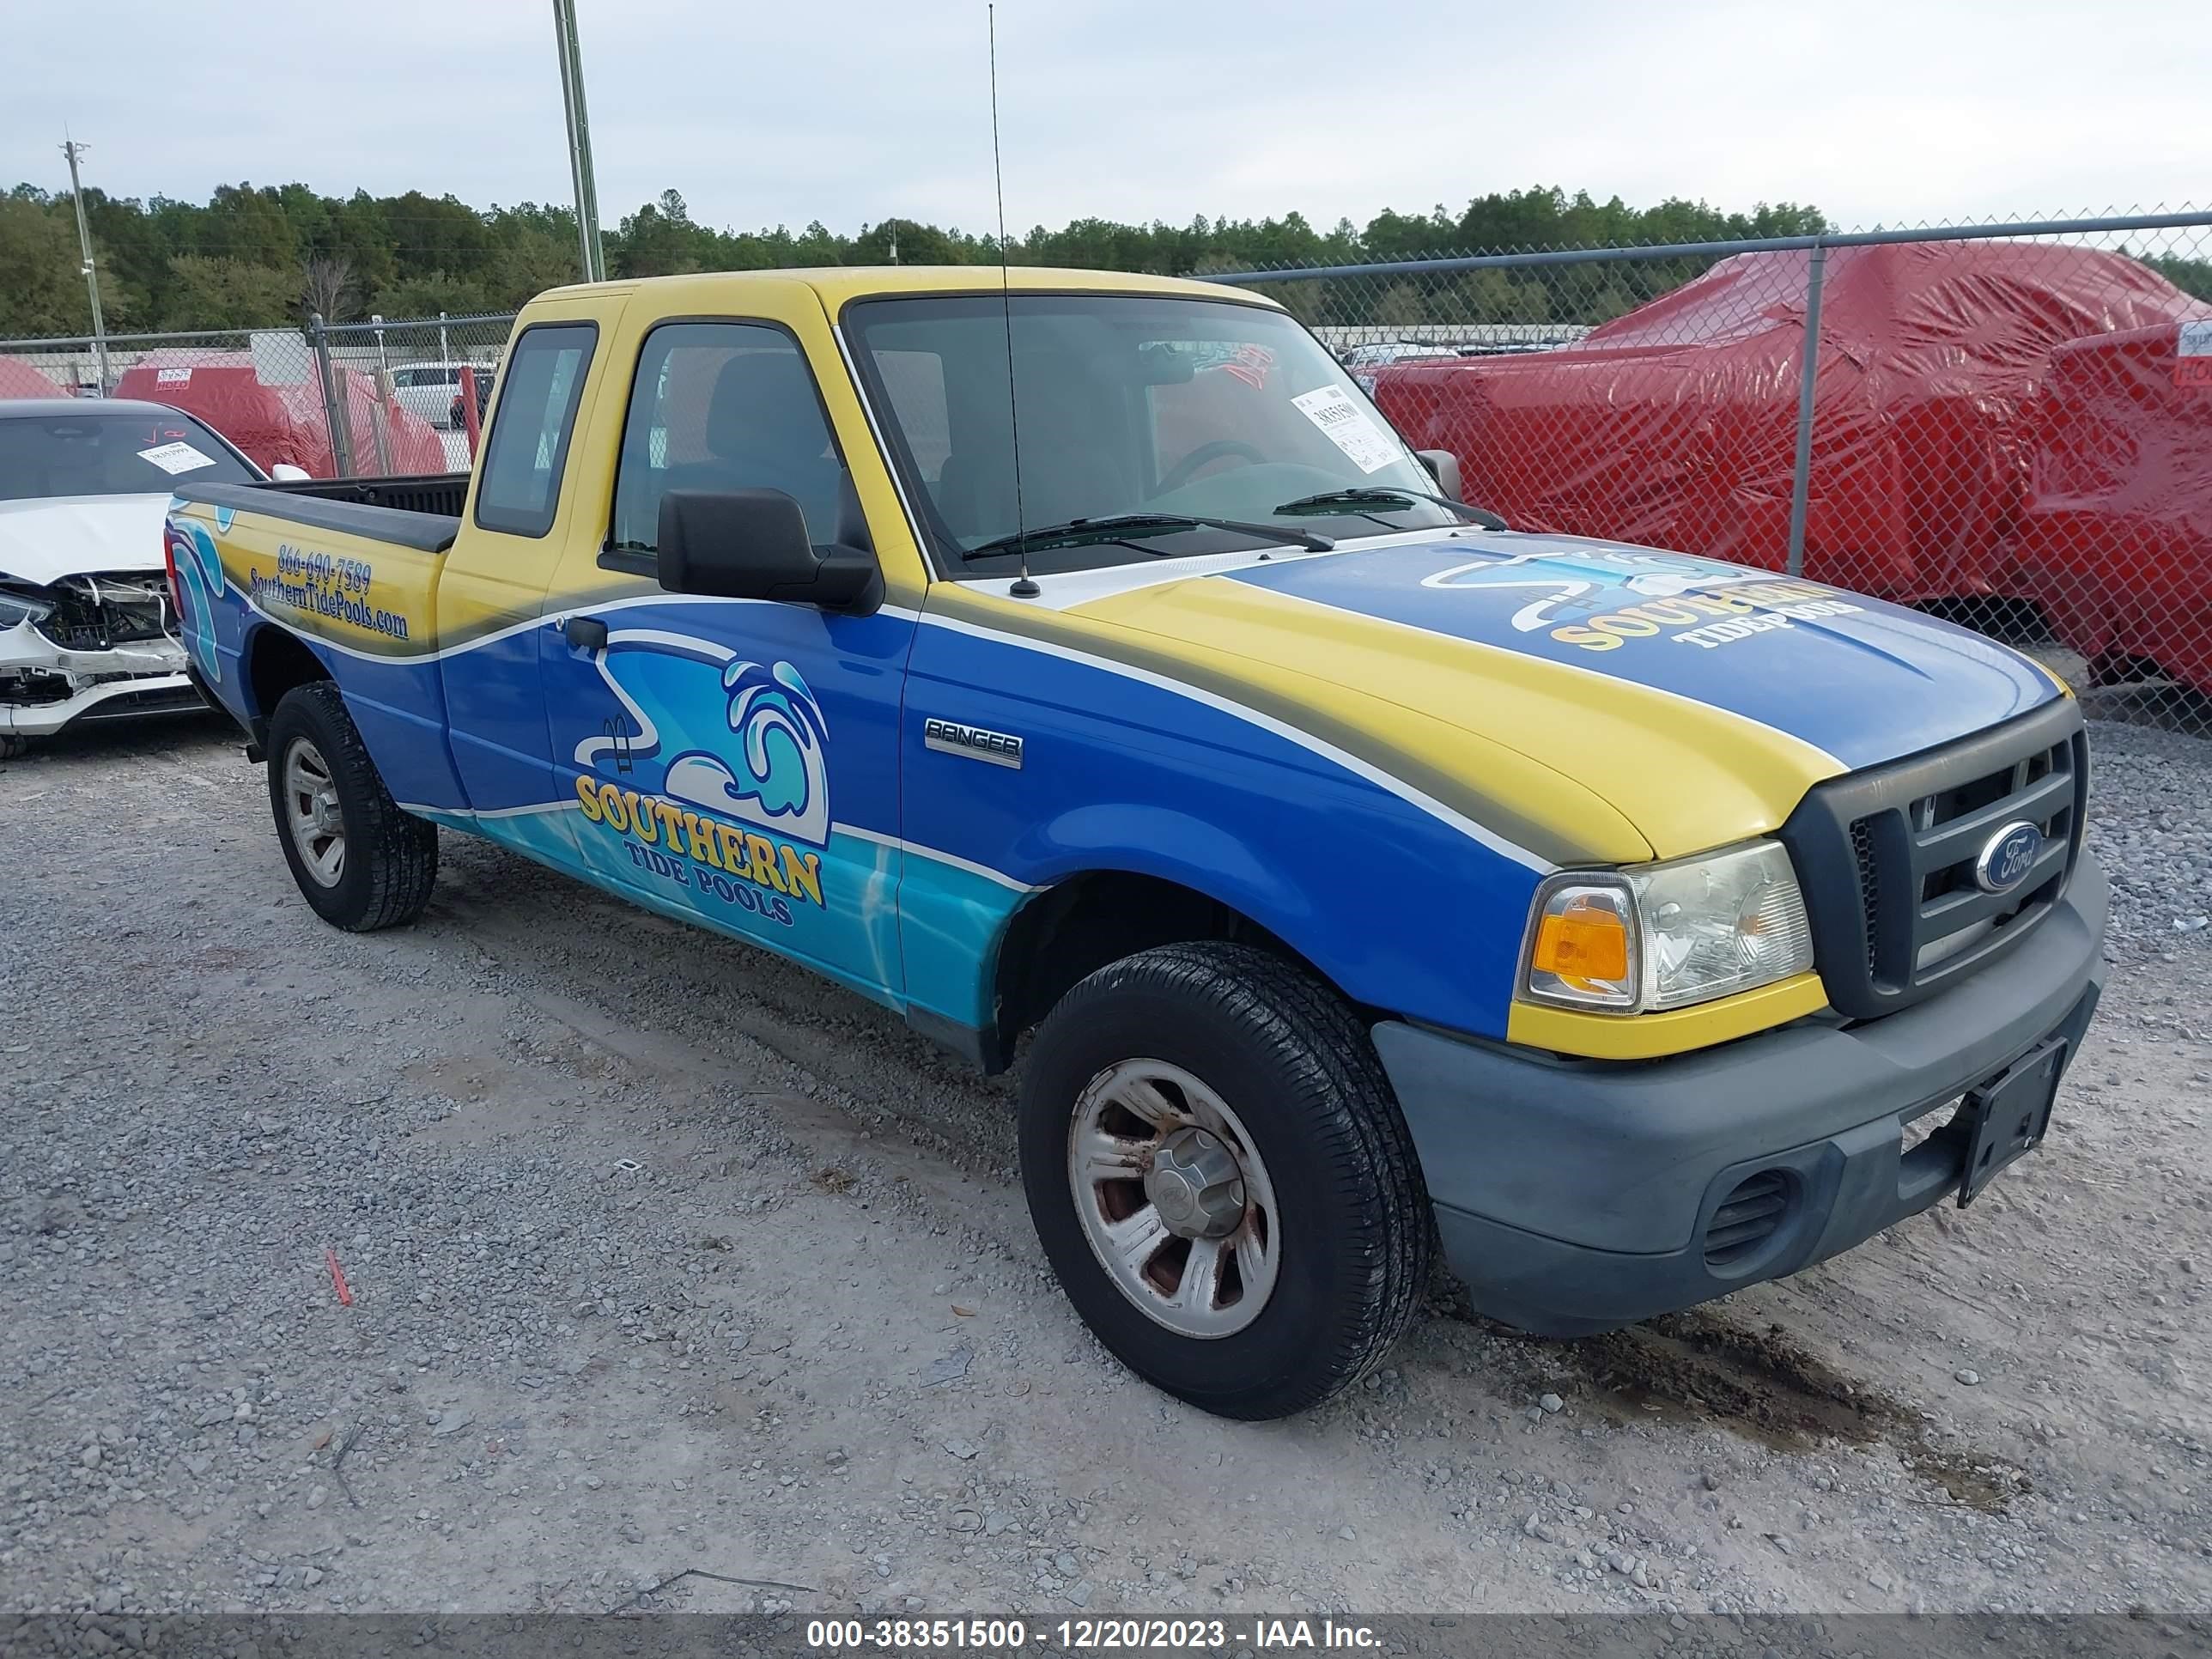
(87,628)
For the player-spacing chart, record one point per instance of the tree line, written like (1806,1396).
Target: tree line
(265,256)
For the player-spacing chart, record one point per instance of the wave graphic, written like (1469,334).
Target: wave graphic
(778,778)
(199,584)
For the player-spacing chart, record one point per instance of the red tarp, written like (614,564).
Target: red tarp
(1676,425)
(2115,538)
(285,424)
(19,379)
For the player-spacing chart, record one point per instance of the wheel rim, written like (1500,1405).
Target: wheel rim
(312,813)
(1174,1198)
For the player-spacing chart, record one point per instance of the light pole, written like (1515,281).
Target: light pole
(72,148)
(579,142)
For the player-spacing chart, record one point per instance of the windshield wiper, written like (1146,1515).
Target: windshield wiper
(1357,500)
(1120,526)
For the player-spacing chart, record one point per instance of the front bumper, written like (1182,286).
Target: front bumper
(145,677)
(1574,1196)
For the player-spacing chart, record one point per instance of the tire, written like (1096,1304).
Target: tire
(13,746)
(1332,1177)
(386,860)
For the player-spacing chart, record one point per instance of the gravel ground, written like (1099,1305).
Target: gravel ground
(663,1260)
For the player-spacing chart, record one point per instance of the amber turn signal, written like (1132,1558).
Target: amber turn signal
(1584,941)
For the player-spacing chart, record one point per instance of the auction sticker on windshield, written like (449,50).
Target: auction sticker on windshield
(176,457)
(1348,427)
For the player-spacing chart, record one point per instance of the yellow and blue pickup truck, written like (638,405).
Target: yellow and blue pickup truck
(1077,665)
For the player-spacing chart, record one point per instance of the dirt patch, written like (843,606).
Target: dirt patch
(1762,1383)
(1758,1381)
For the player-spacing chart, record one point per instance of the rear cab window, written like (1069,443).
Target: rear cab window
(528,449)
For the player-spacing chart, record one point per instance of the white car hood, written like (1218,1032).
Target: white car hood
(42,541)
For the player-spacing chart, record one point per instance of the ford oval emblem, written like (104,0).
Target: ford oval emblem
(2007,857)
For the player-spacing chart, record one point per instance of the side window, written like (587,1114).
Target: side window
(529,444)
(723,406)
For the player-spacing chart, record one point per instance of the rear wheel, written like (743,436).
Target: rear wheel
(13,746)
(1221,1178)
(360,861)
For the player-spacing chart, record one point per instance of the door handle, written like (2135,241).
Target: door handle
(586,632)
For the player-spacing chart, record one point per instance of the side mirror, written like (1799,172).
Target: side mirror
(1443,467)
(285,472)
(752,544)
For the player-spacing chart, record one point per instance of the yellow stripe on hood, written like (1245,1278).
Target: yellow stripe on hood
(1570,823)
(1590,768)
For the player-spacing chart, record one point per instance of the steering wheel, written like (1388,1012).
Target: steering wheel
(1187,469)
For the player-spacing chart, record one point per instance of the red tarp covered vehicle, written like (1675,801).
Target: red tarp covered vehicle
(1676,425)
(2115,539)
(20,379)
(286,424)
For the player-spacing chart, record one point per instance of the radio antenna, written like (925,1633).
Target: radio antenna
(1024,588)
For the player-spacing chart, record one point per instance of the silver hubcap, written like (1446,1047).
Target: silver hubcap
(1174,1198)
(311,810)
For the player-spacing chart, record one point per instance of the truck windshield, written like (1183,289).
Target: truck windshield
(1125,404)
(109,453)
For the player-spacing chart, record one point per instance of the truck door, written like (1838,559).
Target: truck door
(734,761)
(492,590)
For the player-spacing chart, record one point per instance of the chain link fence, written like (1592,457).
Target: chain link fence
(2009,425)
(339,400)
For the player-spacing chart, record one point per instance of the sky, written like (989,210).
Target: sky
(1879,111)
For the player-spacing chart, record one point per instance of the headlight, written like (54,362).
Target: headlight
(1666,935)
(15,610)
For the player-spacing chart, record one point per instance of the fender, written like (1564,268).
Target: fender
(1132,838)
(398,705)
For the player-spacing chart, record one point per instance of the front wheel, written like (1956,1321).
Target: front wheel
(360,861)
(1221,1178)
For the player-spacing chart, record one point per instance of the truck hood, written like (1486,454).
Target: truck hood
(1602,701)
(41,541)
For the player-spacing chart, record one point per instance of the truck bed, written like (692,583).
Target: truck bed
(417,510)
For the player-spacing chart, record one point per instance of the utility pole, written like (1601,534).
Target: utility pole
(579,142)
(72,148)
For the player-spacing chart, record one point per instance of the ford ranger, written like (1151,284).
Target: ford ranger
(1081,667)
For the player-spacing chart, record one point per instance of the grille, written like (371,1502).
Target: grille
(1870,874)
(1748,1217)
(132,704)
(1887,858)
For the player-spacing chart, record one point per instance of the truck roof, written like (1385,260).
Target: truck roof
(838,284)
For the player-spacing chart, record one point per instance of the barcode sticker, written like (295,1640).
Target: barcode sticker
(1349,426)
(173,459)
